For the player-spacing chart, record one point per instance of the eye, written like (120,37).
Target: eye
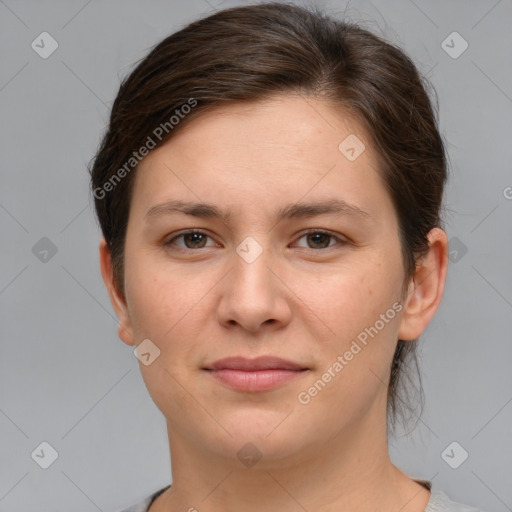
(196,239)
(193,239)
(320,239)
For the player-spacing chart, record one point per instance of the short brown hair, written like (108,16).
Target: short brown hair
(250,53)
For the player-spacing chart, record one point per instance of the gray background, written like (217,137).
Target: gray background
(66,378)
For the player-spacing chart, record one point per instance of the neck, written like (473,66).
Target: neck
(351,471)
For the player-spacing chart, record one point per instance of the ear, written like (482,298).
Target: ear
(118,300)
(426,287)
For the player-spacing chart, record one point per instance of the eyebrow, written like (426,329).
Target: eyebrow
(293,210)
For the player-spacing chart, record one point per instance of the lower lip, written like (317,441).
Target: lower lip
(259,380)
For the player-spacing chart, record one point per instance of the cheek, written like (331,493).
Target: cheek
(159,304)
(167,306)
(164,308)
(350,298)
(362,309)
(360,305)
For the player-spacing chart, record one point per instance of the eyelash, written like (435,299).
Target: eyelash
(306,233)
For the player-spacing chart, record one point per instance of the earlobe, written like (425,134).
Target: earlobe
(118,301)
(426,287)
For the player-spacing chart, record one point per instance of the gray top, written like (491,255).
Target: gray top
(438,502)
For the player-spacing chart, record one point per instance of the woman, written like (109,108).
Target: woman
(269,190)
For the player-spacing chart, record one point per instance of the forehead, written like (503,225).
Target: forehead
(291,123)
(285,147)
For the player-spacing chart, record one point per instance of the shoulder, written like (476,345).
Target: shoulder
(143,506)
(440,502)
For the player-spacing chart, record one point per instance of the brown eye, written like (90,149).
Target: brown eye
(196,240)
(320,240)
(191,240)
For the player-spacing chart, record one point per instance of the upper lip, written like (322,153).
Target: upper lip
(259,363)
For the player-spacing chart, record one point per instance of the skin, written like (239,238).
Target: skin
(302,299)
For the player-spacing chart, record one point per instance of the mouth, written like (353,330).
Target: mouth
(253,375)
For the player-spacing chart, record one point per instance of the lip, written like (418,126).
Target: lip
(251,365)
(253,375)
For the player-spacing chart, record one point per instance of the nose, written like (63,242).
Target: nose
(254,298)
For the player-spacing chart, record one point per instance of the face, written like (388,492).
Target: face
(295,257)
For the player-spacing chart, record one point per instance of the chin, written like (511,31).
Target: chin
(273,442)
